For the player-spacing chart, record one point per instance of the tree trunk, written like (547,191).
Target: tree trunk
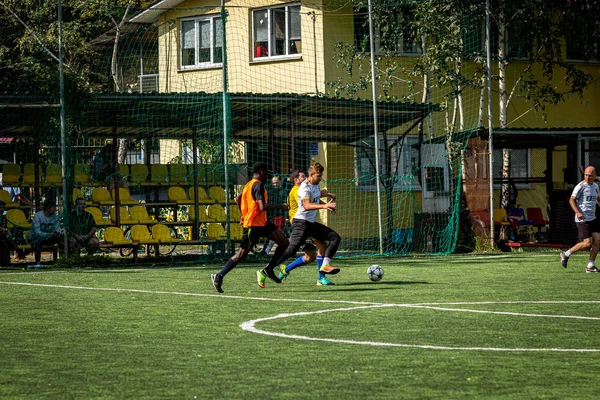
(503,117)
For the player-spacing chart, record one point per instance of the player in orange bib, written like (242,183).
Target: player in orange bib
(254,204)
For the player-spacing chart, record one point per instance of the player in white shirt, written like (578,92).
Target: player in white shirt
(583,202)
(304,225)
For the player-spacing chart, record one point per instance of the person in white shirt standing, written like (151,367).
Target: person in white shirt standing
(583,202)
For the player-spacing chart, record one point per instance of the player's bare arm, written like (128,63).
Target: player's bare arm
(306,203)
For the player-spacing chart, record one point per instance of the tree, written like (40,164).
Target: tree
(441,26)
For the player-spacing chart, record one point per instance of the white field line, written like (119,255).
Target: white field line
(250,326)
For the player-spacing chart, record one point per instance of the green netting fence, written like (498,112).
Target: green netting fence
(180,99)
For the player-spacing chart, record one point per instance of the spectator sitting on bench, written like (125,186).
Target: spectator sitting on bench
(83,229)
(45,229)
(7,244)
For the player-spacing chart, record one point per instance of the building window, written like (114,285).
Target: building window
(393,33)
(582,38)
(276,32)
(404,160)
(519,163)
(201,42)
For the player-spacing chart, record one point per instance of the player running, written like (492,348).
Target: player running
(254,204)
(304,225)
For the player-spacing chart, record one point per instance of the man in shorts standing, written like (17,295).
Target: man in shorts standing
(583,202)
(254,204)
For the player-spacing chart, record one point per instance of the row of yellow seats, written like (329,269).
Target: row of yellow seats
(159,234)
(157,175)
(139,215)
(216,231)
(216,194)
(176,194)
(11,175)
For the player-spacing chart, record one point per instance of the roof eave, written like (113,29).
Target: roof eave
(150,15)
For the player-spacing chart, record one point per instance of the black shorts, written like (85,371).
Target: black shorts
(302,230)
(585,229)
(251,235)
(309,245)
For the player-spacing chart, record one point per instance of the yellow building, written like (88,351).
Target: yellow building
(299,48)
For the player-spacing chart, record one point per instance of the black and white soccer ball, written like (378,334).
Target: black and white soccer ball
(375,273)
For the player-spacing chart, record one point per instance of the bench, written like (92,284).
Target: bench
(134,246)
(542,245)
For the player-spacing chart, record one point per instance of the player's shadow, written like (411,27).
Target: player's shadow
(370,284)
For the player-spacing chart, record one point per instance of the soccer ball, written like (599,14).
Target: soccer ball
(375,273)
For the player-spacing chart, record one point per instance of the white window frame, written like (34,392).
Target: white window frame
(271,37)
(199,65)
(416,50)
(406,162)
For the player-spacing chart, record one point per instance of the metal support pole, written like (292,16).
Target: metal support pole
(63,133)
(225,122)
(488,49)
(375,126)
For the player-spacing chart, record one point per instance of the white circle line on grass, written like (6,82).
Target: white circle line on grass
(250,326)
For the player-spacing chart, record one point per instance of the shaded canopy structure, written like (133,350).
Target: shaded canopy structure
(176,116)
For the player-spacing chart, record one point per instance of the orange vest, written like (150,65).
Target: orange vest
(249,207)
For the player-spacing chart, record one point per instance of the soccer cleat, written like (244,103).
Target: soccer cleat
(260,279)
(329,269)
(592,269)
(564,259)
(282,273)
(269,273)
(217,281)
(324,282)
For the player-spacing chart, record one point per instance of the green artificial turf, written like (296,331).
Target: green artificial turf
(166,333)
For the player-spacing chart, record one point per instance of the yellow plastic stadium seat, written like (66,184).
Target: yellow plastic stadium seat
(140,233)
(124,171)
(217,193)
(178,175)
(16,218)
(114,235)
(82,175)
(140,214)
(29,174)
(7,199)
(163,234)
(124,197)
(235,215)
(203,215)
(102,197)
(201,171)
(177,195)
(215,231)
(139,175)
(53,175)
(499,217)
(78,193)
(124,216)
(216,213)
(159,175)
(11,175)
(202,196)
(236,231)
(97,214)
